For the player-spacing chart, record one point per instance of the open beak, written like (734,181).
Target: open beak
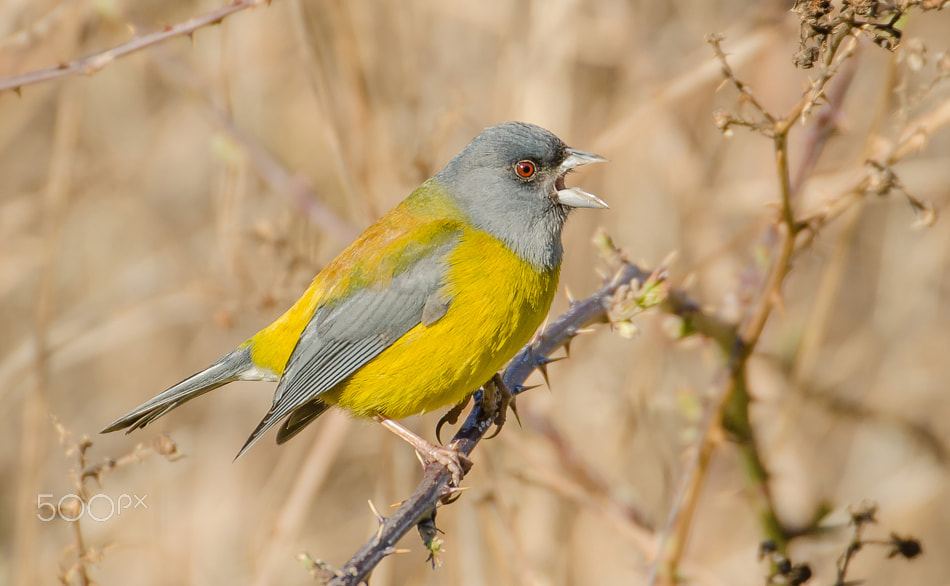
(575,197)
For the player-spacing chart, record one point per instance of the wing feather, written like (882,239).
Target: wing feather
(343,336)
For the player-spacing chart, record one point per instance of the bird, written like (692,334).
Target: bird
(425,306)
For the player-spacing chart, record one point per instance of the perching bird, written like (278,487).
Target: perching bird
(425,306)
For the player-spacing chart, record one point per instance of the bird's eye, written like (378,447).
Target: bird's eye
(525,169)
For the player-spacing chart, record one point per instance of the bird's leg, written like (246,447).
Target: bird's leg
(456,462)
(496,399)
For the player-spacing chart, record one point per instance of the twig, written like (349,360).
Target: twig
(911,141)
(730,408)
(863,515)
(72,510)
(93,63)
(715,41)
(730,411)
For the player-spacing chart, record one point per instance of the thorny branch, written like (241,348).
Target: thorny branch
(93,63)
(628,292)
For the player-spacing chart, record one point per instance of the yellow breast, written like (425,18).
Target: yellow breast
(499,301)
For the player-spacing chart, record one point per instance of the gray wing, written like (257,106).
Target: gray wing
(341,338)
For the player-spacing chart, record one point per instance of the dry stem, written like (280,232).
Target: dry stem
(93,63)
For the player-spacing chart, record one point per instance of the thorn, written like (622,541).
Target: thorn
(450,494)
(514,409)
(19,91)
(379,518)
(450,490)
(421,460)
(543,328)
(570,297)
(567,347)
(388,551)
(669,259)
(616,276)
(584,331)
(543,369)
(535,338)
(522,388)
(191,37)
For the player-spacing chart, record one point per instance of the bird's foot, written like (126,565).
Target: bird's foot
(456,462)
(496,399)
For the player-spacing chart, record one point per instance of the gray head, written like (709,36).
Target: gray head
(510,181)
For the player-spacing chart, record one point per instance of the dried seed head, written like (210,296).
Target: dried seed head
(865,8)
(812,10)
(806,57)
(906,547)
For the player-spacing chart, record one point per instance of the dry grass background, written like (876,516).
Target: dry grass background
(139,241)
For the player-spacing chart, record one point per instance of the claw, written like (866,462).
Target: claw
(452,417)
(498,398)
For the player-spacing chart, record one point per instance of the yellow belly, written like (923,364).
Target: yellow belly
(499,302)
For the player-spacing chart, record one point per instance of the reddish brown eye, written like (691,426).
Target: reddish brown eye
(525,169)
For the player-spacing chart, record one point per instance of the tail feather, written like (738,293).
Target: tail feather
(300,418)
(227,369)
(295,422)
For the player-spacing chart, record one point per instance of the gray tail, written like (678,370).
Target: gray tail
(222,372)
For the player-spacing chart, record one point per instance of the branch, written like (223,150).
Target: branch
(93,63)
(419,509)
(730,410)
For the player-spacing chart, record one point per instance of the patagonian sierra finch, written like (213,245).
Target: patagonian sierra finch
(425,306)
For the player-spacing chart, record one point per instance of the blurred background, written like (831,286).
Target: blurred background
(156,214)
